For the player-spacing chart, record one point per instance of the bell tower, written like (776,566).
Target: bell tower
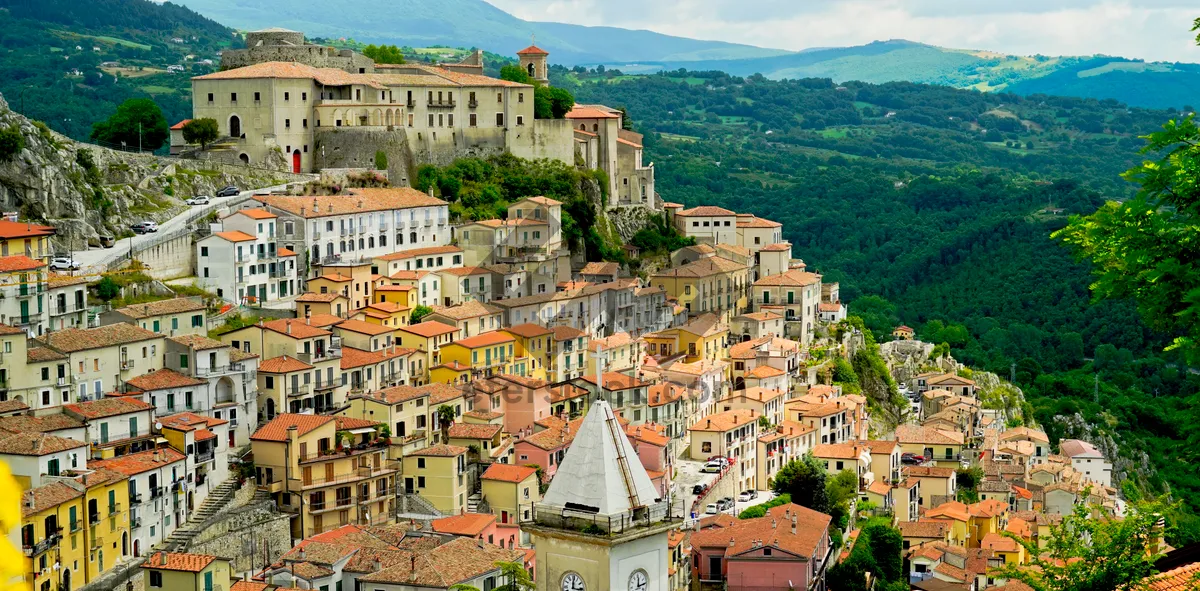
(601,524)
(533,61)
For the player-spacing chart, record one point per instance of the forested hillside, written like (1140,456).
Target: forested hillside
(934,207)
(70,63)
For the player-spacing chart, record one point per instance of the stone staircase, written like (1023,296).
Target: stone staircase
(473,502)
(217,499)
(412,506)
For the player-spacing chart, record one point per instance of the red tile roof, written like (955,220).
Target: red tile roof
(107,407)
(71,340)
(277,428)
(256,213)
(429,328)
(193,563)
(508,472)
(295,328)
(467,524)
(474,431)
(10,229)
(139,462)
(234,236)
(357,202)
(441,451)
(36,444)
(284,364)
(162,379)
(533,50)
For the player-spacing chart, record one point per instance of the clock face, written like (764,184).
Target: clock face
(572,582)
(638,581)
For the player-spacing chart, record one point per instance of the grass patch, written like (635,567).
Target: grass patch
(106,39)
(153,89)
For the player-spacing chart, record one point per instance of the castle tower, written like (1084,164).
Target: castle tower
(601,525)
(533,59)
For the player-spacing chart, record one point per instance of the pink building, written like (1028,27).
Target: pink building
(787,548)
(524,401)
(650,440)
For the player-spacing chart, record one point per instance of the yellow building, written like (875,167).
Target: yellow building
(712,284)
(335,283)
(533,342)
(438,474)
(427,338)
(510,491)
(702,337)
(935,482)
(402,408)
(488,354)
(186,572)
(312,303)
(52,532)
(388,314)
(26,238)
(329,471)
(317,386)
(943,447)
(400,292)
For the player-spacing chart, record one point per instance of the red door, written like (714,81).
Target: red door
(296,161)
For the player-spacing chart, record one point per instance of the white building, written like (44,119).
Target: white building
(243,262)
(152,516)
(23,284)
(32,456)
(67,298)
(361,225)
(1087,460)
(230,381)
(115,425)
(203,442)
(708,224)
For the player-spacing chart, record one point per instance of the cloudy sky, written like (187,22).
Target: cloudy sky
(1149,29)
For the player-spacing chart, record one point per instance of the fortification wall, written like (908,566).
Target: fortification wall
(546,138)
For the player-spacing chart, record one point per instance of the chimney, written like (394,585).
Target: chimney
(289,326)
(793,525)
(376,566)
(360,203)
(300,553)
(301,211)
(479,542)
(412,571)
(331,208)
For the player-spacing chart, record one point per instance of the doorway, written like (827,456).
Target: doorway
(235,126)
(296,161)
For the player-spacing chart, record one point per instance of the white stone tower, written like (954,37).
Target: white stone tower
(533,60)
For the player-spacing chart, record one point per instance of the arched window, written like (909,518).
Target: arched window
(412,237)
(531,73)
(399,238)
(383,240)
(361,242)
(371,242)
(329,249)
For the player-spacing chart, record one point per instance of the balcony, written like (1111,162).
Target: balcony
(28,319)
(156,492)
(97,542)
(113,509)
(441,104)
(299,390)
(278,273)
(135,498)
(52,538)
(272,487)
(93,518)
(219,370)
(356,474)
(325,386)
(472,103)
(333,454)
(205,456)
(127,364)
(135,522)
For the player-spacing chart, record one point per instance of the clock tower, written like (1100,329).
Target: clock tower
(601,525)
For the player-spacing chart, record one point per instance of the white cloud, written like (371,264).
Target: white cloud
(1149,29)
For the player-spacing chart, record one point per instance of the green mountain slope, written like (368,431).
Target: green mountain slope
(897,192)
(70,63)
(1133,82)
(470,23)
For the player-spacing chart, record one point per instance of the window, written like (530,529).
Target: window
(286,95)
(256,97)
(233,97)
(156,578)
(197,321)
(520,120)
(203,251)
(431,119)
(520,97)
(210,97)
(499,119)
(474,120)
(287,123)
(706,447)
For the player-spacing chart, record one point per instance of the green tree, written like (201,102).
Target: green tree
(515,73)
(107,289)
(803,479)
(1089,554)
(137,122)
(11,142)
(515,577)
(445,418)
(878,315)
(201,131)
(384,54)
(381,162)
(886,545)
(418,313)
(561,102)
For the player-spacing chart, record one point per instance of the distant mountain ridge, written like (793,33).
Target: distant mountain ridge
(470,23)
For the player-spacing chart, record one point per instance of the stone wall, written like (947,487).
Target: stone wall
(250,531)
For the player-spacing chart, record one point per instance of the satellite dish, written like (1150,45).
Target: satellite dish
(158,425)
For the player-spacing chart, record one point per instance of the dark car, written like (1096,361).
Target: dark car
(911,458)
(698,489)
(229,191)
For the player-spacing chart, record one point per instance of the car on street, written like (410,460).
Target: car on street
(748,495)
(229,191)
(198,200)
(64,264)
(911,458)
(712,509)
(724,504)
(697,489)
(144,227)
(712,467)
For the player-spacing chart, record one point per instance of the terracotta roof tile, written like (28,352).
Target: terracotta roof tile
(724,421)
(474,431)
(198,342)
(193,563)
(528,330)
(486,339)
(19,262)
(42,424)
(441,451)
(36,444)
(139,462)
(467,524)
(466,310)
(254,213)
(309,296)
(705,211)
(276,429)
(508,472)
(71,340)
(357,201)
(39,499)
(429,328)
(284,364)
(1183,578)
(163,379)
(10,229)
(108,407)
(788,278)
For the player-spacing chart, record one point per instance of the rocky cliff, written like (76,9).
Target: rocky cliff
(86,191)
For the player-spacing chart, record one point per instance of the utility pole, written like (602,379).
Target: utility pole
(139,137)
(1096,388)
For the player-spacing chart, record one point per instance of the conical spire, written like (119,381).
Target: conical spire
(601,472)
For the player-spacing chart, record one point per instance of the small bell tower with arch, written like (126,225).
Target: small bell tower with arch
(533,61)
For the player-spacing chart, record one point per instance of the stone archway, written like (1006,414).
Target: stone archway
(270,408)
(245,158)
(66,579)
(235,126)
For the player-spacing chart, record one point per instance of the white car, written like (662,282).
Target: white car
(64,264)
(747,496)
(712,509)
(198,200)
(713,466)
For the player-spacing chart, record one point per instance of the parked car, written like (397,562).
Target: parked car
(698,489)
(712,509)
(140,227)
(712,467)
(911,458)
(229,191)
(748,495)
(725,503)
(198,200)
(107,241)
(64,264)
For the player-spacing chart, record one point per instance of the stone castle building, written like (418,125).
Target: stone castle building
(325,108)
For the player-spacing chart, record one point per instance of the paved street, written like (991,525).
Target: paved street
(93,261)
(688,475)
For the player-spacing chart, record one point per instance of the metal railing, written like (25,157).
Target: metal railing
(356,474)
(333,454)
(603,525)
(205,456)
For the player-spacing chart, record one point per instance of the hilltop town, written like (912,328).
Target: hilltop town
(372,393)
